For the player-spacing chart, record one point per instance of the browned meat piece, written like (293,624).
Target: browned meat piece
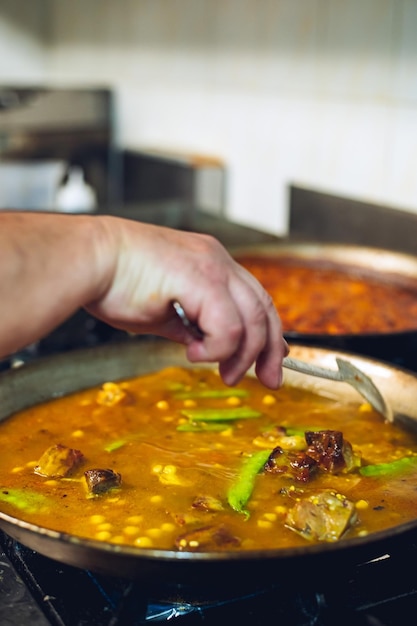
(58,461)
(296,465)
(101,480)
(324,516)
(330,451)
(185,518)
(353,460)
(206,538)
(207,503)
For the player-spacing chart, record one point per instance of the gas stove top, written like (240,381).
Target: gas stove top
(38,591)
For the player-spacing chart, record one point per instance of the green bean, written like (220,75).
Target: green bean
(389,469)
(220,415)
(115,445)
(200,427)
(25,499)
(240,492)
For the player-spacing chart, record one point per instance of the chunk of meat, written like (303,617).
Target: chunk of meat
(277,436)
(169,475)
(332,453)
(296,465)
(207,503)
(101,480)
(206,538)
(324,516)
(58,461)
(111,394)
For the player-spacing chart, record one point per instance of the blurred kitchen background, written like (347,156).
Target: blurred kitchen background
(232,105)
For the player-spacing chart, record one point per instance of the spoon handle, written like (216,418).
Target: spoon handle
(311,369)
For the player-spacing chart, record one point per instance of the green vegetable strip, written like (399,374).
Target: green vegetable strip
(387,469)
(201,427)
(115,445)
(241,490)
(25,499)
(301,430)
(211,393)
(220,415)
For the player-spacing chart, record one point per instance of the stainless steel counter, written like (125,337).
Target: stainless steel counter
(177,214)
(323,217)
(314,216)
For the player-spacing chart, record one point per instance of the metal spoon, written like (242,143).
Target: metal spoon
(346,373)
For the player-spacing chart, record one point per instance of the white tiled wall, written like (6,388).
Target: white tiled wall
(319,93)
(22,36)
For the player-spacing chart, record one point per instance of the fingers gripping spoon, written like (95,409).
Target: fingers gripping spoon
(346,372)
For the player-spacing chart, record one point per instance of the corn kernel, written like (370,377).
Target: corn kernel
(104,535)
(154,532)
(269,399)
(362,504)
(168,527)
(281,510)
(271,517)
(51,482)
(97,519)
(135,519)
(18,469)
(144,542)
(264,524)
(78,434)
(118,539)
(155,499)
(131,531)
(162,404)
(233,401)
(189,404)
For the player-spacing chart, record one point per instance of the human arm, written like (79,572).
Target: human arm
(127,274)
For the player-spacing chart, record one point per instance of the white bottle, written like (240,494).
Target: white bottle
(76,196)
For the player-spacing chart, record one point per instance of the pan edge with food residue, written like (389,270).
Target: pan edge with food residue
(58,376)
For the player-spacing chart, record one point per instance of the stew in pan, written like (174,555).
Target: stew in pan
(315,297)
(176,460)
